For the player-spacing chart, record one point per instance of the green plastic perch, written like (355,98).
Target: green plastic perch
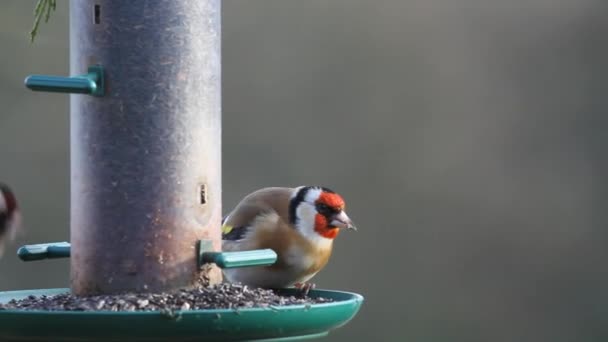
(44,251)
(92,83)
(260,257)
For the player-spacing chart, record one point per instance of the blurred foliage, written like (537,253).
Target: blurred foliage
(43,9)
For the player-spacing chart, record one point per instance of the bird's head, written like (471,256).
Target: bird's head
(318,213)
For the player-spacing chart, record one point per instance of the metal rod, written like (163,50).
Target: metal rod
(142,155)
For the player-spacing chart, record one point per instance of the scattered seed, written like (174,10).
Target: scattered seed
(142,303)
(221,296)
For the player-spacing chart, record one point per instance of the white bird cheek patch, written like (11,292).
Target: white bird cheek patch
(306,218)
(306,225)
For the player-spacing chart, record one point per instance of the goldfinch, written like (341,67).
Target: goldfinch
(299,224)
(9,216)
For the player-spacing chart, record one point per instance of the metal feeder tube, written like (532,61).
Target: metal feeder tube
(146,156)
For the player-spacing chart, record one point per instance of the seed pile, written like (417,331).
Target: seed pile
(221,296)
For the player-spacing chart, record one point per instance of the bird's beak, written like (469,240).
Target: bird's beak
(342,220)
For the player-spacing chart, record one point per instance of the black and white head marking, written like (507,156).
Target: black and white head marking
(302,211)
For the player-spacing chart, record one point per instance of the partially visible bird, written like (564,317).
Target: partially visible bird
(299,224)
(10,219)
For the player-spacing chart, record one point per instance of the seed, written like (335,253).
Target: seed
(221,296)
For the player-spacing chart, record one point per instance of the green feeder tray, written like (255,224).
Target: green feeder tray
(280,323)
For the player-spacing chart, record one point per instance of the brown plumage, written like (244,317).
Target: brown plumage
(10,220)
(287,221)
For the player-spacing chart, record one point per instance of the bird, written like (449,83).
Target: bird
(299,224)
(10,218)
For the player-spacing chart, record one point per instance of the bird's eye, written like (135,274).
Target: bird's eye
(324,209)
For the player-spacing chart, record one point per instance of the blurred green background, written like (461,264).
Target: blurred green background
(467,136)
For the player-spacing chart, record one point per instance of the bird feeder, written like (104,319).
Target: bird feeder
(145,205)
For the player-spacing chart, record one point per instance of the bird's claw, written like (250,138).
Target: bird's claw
(305,288)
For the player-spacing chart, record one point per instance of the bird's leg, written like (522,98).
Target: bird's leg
(305,288)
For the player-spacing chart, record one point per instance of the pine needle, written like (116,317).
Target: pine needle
(43,8)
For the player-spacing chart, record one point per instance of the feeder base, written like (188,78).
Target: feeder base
(281,323)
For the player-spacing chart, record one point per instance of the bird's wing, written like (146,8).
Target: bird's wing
(256,208)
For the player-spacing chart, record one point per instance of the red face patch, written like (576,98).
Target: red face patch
(332,200)
(322,227)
